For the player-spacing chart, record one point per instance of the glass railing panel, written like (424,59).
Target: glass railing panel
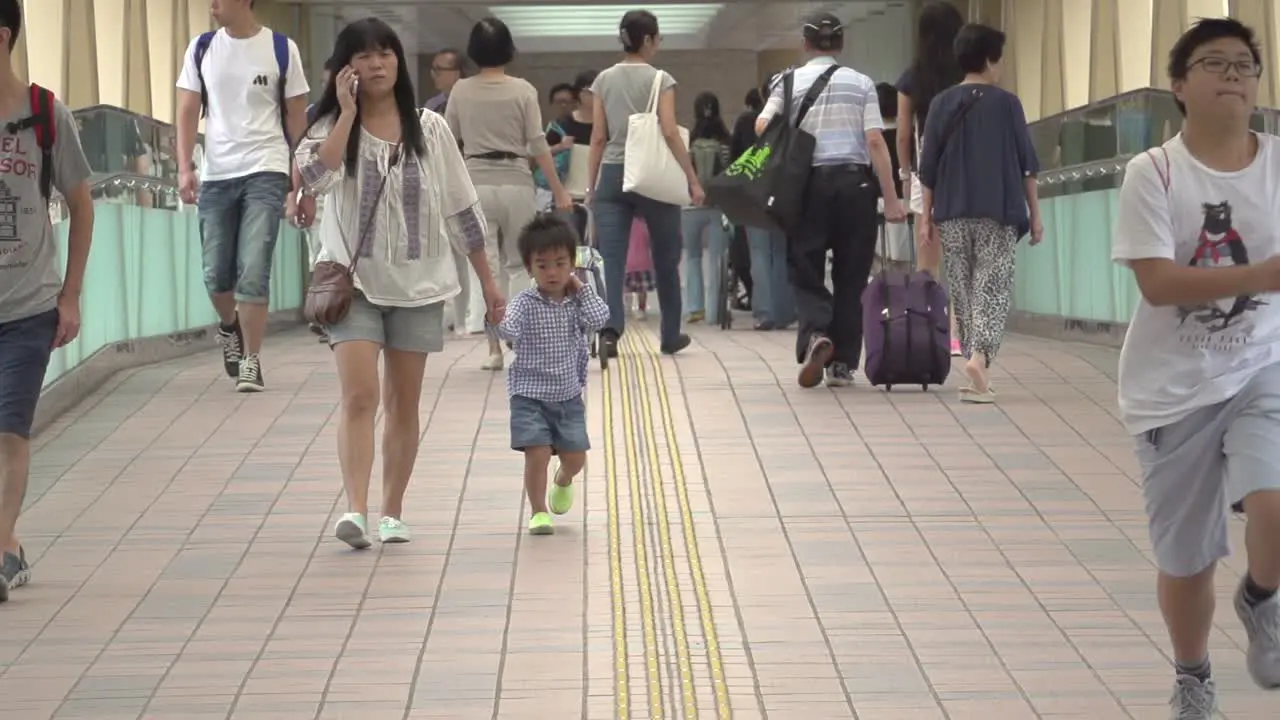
(144,276)
(116,140)
(1084,153)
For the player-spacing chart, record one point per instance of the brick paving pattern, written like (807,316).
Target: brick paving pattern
(740,548)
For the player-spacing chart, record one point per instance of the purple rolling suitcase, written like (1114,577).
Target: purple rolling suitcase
(906,329)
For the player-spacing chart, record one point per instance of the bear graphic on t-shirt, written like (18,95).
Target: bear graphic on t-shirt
(1219,245)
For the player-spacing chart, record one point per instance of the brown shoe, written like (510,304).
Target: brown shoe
(815,361)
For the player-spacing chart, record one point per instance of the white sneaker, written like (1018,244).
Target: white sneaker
(494,362)
(353,530)
(391,530)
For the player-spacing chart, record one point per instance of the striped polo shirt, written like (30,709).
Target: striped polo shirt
(840,117)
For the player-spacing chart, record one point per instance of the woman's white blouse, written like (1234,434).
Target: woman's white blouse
(406,259)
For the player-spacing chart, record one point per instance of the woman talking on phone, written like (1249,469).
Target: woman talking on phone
(399,199)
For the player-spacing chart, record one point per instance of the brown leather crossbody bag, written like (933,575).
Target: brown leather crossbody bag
(332,286)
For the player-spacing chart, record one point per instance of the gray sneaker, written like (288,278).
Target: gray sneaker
(15,571)
(1193,699)
(1262,625)
(839,375)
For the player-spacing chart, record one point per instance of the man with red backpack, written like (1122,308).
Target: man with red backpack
(39,308)
(251,84)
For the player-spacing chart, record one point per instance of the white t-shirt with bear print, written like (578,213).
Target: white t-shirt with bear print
(1176,360)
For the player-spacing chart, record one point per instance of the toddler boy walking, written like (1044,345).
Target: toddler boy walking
(548,325)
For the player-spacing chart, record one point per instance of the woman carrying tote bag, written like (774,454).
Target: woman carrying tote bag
(621,180)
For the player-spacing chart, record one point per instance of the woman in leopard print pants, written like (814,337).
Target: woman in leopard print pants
(980,259)
(978,169)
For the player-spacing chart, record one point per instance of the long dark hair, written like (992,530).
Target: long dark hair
(367,35)
(708,124)
(935,68)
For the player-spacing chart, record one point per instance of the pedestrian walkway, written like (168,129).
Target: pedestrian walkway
(741,548)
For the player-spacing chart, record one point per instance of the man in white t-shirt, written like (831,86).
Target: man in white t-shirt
(252,85)
(1199,225)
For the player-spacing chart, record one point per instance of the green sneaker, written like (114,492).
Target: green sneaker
(540,524)
(560,499)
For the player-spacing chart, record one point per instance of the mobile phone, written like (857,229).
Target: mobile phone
(355,87)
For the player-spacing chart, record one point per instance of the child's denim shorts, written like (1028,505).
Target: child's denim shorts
(537,423)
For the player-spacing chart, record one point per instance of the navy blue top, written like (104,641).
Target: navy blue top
(980,170)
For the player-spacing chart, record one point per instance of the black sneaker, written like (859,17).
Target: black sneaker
(839,375)
(681,342)
(14,572)
(232,342)
(815,361)
(250,378)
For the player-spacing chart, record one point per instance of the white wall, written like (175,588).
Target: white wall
(880,45)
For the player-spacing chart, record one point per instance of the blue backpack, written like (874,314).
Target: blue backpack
(281,45)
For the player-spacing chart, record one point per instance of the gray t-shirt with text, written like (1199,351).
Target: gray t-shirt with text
(30,279)
(624,91)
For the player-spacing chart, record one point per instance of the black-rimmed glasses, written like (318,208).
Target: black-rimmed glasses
(1221,66)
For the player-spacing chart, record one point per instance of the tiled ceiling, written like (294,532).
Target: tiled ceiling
(426,26)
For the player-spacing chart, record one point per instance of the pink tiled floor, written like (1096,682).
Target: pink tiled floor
(756,550)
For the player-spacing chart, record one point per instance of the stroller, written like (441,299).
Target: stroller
(590,267)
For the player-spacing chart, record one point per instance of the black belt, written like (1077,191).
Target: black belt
(496,155)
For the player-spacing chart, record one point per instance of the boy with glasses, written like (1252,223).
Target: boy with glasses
(1199,225)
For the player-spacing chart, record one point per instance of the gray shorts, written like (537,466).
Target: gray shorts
(1194,469)
(411,329)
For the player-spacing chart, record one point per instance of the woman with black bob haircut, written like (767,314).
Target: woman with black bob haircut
(618,93)
(497,119)
(398,197)
(978,170)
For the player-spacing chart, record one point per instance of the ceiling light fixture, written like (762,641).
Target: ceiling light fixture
(598,20)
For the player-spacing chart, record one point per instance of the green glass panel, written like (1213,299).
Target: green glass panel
(144,279)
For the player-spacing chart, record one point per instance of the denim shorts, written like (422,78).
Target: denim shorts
(25,347)
(538,423)
(239,222)
(410,329)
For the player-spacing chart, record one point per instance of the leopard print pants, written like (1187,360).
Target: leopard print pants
(979,259)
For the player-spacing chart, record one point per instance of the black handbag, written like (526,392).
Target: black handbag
(765,187)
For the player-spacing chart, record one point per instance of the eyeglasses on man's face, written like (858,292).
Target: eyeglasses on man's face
(1221,66)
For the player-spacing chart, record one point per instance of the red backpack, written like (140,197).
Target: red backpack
(42,121)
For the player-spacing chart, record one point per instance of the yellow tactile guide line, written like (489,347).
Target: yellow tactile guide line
(635,381)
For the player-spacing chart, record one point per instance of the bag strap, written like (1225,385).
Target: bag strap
(957,117)
(202,48)
(280,44)
(46,129)
(815,90)
(396,157)
(1166,175)
(788,88)
(655,91)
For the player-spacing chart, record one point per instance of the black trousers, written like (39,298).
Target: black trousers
(840,217)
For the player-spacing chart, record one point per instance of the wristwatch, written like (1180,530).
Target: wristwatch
(904,174)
